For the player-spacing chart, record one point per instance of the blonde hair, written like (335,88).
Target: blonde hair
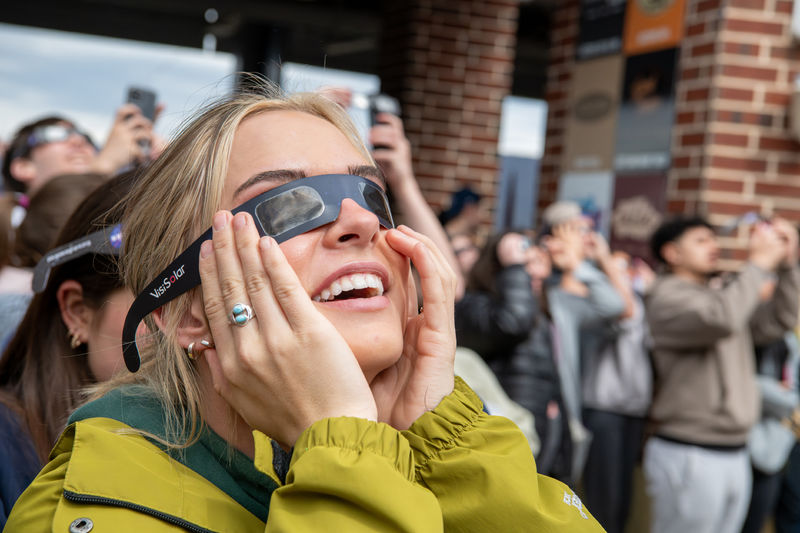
(171,205)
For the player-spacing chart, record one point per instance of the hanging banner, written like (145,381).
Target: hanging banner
(639,204)
(645,118)
(594,192)
(653,25)
(600,28)
(592,119)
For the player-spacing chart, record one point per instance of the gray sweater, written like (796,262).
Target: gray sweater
(573,315)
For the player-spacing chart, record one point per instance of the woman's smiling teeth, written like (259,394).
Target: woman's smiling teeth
(352,286)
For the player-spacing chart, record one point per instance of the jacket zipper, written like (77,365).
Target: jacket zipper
(174,520)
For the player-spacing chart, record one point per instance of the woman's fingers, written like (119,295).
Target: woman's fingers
(437,279)
(448,276)
(290,294)
(257,279)
(213,300)
(224,288)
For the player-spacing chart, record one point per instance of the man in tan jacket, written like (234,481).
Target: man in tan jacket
(706,399)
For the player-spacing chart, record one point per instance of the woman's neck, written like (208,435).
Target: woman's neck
(221,417)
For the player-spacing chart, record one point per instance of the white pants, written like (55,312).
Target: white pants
(696,490)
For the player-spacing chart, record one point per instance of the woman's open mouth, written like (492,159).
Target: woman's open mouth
(350,286)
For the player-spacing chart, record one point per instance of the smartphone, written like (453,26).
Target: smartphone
(747,219)
(382,103)
(145,99)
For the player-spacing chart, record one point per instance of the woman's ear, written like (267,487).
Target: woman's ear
(193,326)
(75,314)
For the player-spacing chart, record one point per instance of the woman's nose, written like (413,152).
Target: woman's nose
(354,225)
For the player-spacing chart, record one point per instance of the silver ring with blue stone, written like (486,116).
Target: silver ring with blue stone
(241,314)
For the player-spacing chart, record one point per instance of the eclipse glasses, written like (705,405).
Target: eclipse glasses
(49,134)
(282,213)
(106,241)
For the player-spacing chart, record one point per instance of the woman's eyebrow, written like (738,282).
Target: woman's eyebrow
(275,176)
(368,171)
(286,175)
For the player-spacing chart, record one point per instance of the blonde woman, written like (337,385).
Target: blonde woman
(287,381)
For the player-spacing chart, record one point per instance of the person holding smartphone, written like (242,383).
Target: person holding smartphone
(54,145)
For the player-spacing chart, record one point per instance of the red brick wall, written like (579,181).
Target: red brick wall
(450,64)
(732,151)
(564,34)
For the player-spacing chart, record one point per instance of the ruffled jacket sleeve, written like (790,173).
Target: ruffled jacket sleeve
(455,469)
(483,474)
(350,474)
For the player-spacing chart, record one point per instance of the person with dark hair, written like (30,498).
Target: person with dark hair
(706,398)
(672,230)
(53,145)
(48,211)
(502,318)
(68,339)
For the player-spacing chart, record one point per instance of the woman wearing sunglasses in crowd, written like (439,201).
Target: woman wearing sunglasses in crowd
(300,389)
(67,340)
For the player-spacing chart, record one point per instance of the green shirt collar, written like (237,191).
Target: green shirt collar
(210,456)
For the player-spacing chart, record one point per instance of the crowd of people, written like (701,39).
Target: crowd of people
(260,323)
(687,370)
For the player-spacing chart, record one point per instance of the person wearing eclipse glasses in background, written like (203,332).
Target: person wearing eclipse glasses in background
(299,389)
(53,145)
(67,340)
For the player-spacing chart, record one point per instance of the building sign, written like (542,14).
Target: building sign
(653,25)
(591,123)
(600,28)
(639,203)
(644,122)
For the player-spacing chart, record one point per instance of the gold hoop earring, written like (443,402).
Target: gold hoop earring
(74,340)
(190,350)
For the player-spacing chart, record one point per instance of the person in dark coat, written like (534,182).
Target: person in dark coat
(501,318)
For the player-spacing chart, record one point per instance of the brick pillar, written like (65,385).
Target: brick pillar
(732,149)
(450,64)
(564,34)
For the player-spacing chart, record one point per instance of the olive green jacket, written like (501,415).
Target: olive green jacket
(455,469)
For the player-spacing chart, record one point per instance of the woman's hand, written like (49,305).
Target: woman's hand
(130,134)
(288,367)
(597,248)
(392,152)
(424,373)
(565,246)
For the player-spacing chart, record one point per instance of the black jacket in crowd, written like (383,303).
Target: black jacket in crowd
(513,335)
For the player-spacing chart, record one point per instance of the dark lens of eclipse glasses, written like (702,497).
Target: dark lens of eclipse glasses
(284,212)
